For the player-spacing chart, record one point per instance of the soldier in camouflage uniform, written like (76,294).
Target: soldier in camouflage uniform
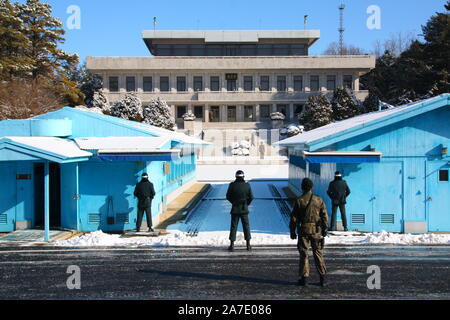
(309,219)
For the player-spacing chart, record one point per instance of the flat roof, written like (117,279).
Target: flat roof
(231,36)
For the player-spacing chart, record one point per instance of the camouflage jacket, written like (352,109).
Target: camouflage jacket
(309,220)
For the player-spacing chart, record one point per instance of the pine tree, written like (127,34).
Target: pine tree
(45,33)
(128,108)
(158,114)
(316,113)
(88,83)
(344,104)
(13,42)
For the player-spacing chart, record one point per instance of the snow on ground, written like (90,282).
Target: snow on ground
(178,238)
(208,226)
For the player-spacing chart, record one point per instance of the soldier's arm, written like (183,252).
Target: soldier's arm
(136,191)
(250,195)
(347,189)
(324,217)
(152,191)
(294,219)
(229,194)
(330,194)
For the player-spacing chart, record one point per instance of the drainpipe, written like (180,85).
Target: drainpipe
(47,203)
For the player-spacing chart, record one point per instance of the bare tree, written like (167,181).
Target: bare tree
(21,99)
(334,50)
(395,44)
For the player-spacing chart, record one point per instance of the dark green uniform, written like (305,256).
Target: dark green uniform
(310,220)
(145,193)
(240,195)
(338,191)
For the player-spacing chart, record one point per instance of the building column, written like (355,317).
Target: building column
(206,113)
(257,113)
(274,107)
(47,203)
(291,111)
(190,108)
(223,114)
(239,113)
(356,82)
(307,82)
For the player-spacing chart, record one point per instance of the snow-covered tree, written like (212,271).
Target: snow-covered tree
(277,116)
(128,108)
(316,113)
(158,114)
(344,104)
(100,100)
(189,116)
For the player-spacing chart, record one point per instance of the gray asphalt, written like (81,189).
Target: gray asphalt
(204,273)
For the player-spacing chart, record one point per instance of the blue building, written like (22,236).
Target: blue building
(395,161)
(77,170)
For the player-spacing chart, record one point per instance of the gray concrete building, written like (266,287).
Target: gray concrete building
(230,79)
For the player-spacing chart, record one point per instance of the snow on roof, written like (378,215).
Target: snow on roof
(60,147)
(128,144)
(150,129)
(355,122)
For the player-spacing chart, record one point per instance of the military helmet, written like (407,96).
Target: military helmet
(240,174)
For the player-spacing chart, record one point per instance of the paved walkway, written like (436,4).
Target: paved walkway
(177,209)
(33,236)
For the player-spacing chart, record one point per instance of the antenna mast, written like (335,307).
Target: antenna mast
(341,28)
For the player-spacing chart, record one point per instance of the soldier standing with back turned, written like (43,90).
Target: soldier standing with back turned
(240,195)
(338,191)
(309,219)
(145,193)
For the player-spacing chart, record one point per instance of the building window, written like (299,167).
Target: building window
(164,84)
(264,111)
(180,50)
(148,84)
(443,175)
(264,83)
(231,114)
(298,108)
(298,83)
(231,85)
(181,111)
(181,84)
(248,50)
(264,50)
(114,84)
(198,112)
(215,84)
(248,83)
(348,81)
(249,115)
(298,50)
(314,83)
(281,83)
(331,82)
(282,108)
(197,50)
(214,114)
(131,84)
(281,50)
(214,50)
(198,83)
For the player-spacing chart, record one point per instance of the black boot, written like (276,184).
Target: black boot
(249,247)
(231,247)
(322,281)
(302,281)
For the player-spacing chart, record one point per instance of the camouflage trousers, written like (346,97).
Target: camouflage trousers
(303,245)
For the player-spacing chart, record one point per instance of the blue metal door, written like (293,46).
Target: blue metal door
(387,196)
(438,196)
(359,203)
(7,197)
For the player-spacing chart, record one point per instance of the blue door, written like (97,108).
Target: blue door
(387,197)
(106,191)
(7,197)
(438,196)
(359,178)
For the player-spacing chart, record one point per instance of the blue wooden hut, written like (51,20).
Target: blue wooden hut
(76,169)
(395,161)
